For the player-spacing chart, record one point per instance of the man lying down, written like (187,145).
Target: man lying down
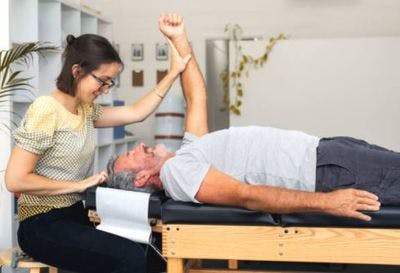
(262,168)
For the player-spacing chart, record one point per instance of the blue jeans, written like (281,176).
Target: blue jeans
(345,162)
(65,238)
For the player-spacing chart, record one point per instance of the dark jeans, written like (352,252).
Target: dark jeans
(345,162)
(65,238)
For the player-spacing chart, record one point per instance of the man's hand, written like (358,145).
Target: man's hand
(172,26)
(349,202)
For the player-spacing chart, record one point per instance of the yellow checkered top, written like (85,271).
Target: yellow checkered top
(65,144)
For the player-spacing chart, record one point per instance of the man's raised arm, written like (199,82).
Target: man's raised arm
(194,87)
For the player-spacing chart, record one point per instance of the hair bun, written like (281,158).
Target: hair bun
(70,39)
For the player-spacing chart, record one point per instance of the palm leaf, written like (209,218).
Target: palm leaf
(12,62)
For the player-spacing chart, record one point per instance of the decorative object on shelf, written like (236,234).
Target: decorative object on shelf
(11,79)
(137,52)
(161,51)
(137,78)
(170,117)
(161,74)
(243,65)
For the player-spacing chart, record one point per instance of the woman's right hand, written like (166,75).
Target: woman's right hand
(91,181)
(178,64)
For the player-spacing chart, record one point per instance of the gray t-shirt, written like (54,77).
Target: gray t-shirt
(254,155)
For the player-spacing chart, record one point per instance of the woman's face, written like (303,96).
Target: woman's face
(97,82)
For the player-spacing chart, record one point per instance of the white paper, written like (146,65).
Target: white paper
(124,213)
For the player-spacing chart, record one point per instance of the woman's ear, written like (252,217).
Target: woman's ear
(76,70)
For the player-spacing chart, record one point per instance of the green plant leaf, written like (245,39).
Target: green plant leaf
(12,81)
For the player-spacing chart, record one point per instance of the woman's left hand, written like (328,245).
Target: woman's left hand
(178,64)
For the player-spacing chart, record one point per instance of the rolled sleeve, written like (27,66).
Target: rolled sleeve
(97,111)
(35,134)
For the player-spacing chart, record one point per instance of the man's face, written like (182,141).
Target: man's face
(139,158)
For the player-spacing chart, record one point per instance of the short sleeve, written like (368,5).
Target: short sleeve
(35,134)
(97,111)
(188,138)
(182,177)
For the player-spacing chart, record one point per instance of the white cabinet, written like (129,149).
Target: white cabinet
(106,151)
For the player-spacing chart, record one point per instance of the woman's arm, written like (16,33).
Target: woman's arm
(140,110)
(21,177)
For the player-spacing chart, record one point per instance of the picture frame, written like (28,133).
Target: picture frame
(137,52)
(161,51)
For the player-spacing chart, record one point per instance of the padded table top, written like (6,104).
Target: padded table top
(170,211)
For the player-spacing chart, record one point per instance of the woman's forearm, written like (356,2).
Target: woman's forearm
(34,184)
(147,104)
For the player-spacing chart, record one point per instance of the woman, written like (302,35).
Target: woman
(52,162)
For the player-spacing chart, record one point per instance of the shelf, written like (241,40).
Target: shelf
(70,22)
(125,140)
(120,148)
(49,68)
(104,154)
(19,108)
(88,24)
(24,18)
(50,22)
(30,71)
(105,99)
(104,136)
(105,29)
(72,4)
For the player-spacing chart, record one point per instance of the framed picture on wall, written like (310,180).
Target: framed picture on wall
(137,52)
(161,51)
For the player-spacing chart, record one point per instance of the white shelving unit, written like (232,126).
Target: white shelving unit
(105,151)
(50,21)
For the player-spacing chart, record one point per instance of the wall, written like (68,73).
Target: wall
(308,85)
(5,197)
(136,21)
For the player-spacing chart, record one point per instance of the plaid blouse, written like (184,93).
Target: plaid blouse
(65,144)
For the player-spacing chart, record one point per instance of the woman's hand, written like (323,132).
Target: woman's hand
(178,64)
(91,181)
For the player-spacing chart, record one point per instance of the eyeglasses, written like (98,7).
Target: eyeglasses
(103,83)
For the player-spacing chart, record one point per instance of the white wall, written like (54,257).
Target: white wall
(135,21)
(326,87)
(5,197)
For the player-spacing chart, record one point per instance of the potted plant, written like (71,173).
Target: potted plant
(11,78)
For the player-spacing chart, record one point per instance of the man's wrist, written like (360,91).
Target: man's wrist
(179,38)
(321,201)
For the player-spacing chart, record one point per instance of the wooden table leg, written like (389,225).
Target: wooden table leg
(53,269)
(175,265)
(233,264)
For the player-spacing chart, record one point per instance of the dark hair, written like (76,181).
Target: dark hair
(89,51)
(124,179)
